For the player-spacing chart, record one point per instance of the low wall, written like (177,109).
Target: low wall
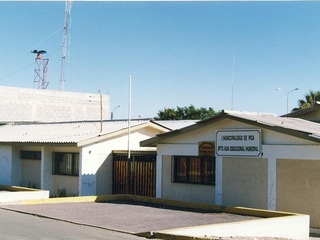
(17,194)
(289,227)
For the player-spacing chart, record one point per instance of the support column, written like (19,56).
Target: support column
(159,177)
(46,169)
(272,183)
(218,187)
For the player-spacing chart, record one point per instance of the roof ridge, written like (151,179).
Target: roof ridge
(233,112)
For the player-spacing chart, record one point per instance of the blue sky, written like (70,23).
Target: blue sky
(178,53)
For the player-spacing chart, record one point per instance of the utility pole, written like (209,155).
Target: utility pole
(100,111)
(129,133)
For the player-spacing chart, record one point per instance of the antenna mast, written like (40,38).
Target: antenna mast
(232,84)
(65,42)
(40,69)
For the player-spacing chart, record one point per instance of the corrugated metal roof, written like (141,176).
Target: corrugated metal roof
(295,124)
(291,126)
(70,132)
(176,124)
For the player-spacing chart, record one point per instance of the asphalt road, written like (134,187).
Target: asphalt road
(19,226)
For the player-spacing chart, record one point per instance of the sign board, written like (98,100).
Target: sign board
(238,143)
(206,149)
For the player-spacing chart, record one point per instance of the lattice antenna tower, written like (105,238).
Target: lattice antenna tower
(67,12)
(40,70)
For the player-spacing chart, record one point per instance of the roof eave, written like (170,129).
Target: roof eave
(104,137)
(59,144)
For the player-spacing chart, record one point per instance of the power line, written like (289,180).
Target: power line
(19,70)
(27,52)
(10,74)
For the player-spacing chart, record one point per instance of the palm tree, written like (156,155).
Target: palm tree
(309,100)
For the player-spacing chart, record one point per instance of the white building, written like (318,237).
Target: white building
(71,158)
(242,159)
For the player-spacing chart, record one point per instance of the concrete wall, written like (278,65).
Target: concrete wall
(245,182)
(298,189)
(24,104)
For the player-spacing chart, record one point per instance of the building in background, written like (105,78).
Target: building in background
(38,105)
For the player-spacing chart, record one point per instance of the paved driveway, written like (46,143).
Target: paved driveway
(125,216)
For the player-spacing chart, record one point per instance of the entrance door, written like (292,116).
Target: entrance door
(136,176)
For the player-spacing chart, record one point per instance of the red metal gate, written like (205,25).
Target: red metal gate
(136,176)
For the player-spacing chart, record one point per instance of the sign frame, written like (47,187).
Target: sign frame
(238,143)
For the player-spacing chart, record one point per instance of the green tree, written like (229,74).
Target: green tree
(309,100)
(185,113)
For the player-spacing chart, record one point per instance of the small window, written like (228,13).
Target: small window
(30,155)
(65,164)
(193,169)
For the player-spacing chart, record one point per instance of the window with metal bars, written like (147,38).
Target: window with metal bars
(65,164)
(194,169)
(30,155)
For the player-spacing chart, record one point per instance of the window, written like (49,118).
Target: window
(65,163)
(30,155)
(198,170)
